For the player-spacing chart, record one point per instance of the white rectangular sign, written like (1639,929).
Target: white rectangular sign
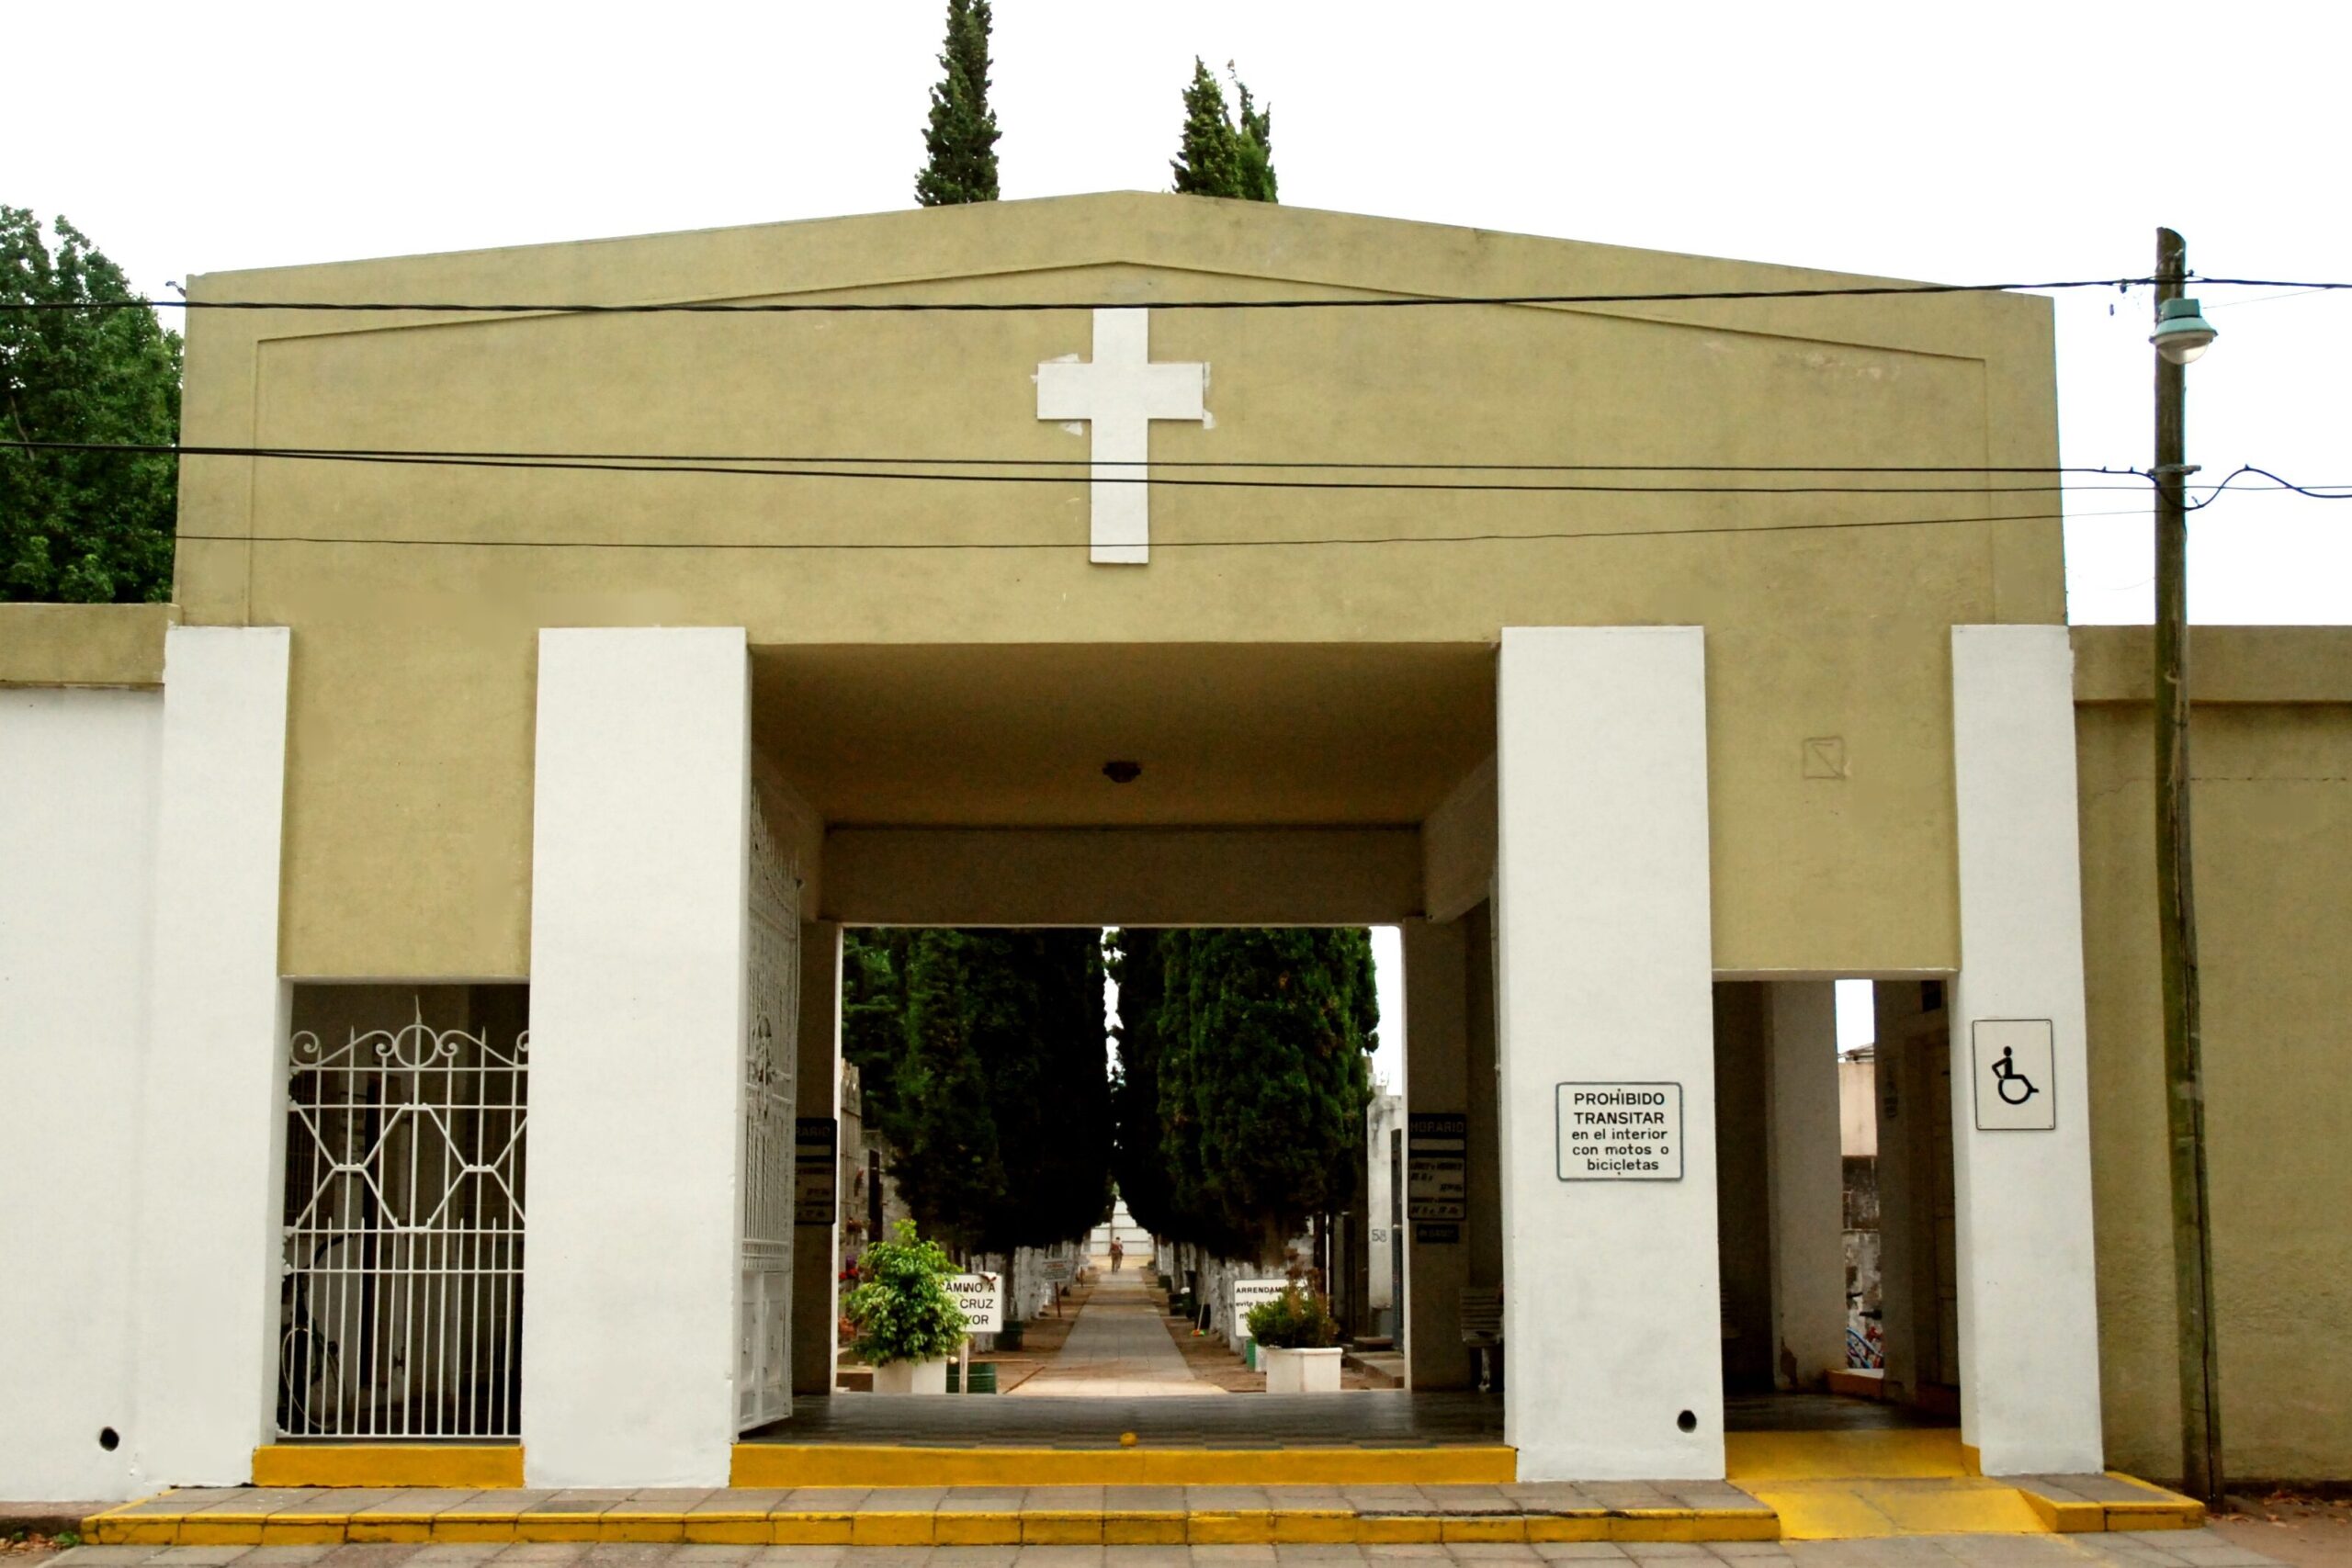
(982,1298)
(2016,1086)
(1619,1131)
(1248,1293)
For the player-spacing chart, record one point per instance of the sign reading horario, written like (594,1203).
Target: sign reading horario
(1619,1131)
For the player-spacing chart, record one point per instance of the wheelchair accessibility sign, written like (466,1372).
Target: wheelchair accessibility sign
(2016,1083)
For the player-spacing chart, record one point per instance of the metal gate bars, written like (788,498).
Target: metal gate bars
(401,1309)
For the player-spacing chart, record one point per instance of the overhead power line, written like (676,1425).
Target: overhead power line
(1481,537)
(859,468)
(942,460)
(965,470)
(985,307)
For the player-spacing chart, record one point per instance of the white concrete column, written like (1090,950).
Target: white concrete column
(1808,1184)
(212,1116)
(1611,1309)
(639,864)
(2028,1311)
(77,878)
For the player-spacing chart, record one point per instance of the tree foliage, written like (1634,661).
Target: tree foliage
(88,527)
(900,1307)
(1220,156)
(981,1057)
(1257,1048)
(961,138)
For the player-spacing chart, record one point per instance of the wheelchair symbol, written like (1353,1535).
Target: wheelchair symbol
(2006,1077)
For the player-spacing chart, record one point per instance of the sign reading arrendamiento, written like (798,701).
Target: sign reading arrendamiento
(1619,1131)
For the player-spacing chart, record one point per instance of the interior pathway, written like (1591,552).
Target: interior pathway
(1118,1348)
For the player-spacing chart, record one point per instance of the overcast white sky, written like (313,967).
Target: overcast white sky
(1993,141)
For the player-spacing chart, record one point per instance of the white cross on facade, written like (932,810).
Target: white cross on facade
(1119,394)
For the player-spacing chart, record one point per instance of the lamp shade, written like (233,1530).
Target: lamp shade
(2182,330)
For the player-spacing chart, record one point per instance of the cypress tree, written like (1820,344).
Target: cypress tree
(1215,155)
(950,1165)
(961,138)
(980,1055)
(1264,1080)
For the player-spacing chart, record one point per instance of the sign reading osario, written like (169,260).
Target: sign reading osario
(1619,1131)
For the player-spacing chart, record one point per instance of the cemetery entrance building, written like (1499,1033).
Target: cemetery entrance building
(545,690)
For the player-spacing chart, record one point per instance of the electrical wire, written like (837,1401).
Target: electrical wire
(938,461)
(760,470)
(983,307)
(1283,542)
(2313,492)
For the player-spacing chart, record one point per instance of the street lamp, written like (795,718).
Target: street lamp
(2182,333)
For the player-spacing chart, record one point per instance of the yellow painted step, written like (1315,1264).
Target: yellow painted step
(844,1464)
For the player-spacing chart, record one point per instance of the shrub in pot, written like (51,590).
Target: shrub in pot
(906,1325)
(1298,1343)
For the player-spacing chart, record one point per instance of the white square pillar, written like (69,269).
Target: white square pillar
(1808,1170)
(2028,1311)
(638,881)
(212,1116)
(1611,1317)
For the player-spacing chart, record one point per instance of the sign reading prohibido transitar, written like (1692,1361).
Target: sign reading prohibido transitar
(1619,1131)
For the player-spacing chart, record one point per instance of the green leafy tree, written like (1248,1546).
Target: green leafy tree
(900,1307)
(961,138)
(87,528)
(980,1055)
(1264,1080)
(1218,155)
(941,1124)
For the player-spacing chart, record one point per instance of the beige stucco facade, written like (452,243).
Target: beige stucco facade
(2273,835)
(412,685)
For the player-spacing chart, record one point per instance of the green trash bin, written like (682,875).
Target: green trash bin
(983,1378)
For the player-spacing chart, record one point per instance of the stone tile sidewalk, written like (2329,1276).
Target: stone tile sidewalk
(2171,1549)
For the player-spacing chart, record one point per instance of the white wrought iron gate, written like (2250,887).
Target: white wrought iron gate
(400,1308)
(771,1034)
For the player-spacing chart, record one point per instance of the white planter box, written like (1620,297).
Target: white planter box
(912,1377)
(1301,1371)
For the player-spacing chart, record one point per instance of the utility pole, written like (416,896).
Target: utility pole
(2192,1229)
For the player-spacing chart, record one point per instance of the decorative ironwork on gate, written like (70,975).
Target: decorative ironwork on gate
(772,1019)
(401,1303)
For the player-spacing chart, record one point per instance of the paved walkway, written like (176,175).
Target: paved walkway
(1118,1348)
(2176,1549)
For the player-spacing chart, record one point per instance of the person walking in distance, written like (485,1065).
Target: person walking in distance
(1118,1255)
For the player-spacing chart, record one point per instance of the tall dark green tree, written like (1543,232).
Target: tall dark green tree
(961,138)
(1218,155)
(89,527)
(1244,1080)
(1141,1161)
(980,1055)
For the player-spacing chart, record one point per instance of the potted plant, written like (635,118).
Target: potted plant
(908,1325)
(1298,1343)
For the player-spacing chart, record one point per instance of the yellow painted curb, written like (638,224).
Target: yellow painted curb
(1901,1453)
(471,1467)
(850,1464)
(723,1528)
(975,1528)
(1060,1528)
(808,1529)
(1141,1529)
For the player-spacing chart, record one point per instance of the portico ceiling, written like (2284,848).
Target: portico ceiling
(1225,734)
